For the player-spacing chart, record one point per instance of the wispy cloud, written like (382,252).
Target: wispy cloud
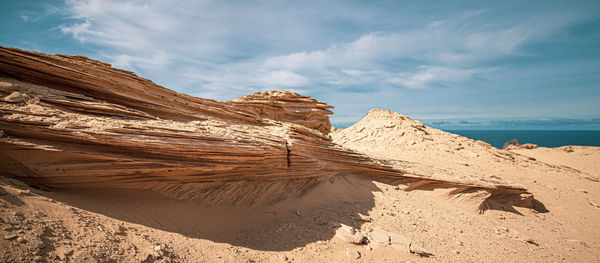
(224,50)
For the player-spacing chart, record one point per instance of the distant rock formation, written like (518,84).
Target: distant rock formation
(511,143)
(529,146)
(72,122)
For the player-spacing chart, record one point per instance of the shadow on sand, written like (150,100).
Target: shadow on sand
(281,226)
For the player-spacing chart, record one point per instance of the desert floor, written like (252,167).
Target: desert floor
(130,226)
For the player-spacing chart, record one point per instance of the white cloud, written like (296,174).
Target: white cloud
(432,74)
(283,78)
(79,31)
(222,50)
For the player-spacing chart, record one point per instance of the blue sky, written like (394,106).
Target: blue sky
(452,64)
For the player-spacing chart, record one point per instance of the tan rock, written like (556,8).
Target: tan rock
(350,235)
(400,242)
(108,128)
(529,146)
(380,236)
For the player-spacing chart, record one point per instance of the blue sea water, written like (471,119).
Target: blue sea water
(544,138)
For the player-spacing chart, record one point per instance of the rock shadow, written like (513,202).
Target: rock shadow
(281,226)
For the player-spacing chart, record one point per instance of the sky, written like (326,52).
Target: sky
(451,64)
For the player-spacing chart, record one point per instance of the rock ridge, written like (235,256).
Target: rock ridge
(71,122)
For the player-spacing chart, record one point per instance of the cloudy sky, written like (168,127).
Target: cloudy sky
(453,64)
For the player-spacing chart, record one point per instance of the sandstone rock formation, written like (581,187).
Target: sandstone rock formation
(72,122)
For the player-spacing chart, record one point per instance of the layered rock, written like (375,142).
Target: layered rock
(72,122)
(288,107)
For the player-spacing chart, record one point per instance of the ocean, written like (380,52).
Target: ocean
(544,138)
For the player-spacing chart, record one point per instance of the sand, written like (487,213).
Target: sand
(139,226)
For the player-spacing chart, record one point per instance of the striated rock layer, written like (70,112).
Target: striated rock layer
(71,122)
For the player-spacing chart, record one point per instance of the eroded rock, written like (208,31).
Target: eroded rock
(108,128)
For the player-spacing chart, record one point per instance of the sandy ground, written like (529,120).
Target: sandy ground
(134,226)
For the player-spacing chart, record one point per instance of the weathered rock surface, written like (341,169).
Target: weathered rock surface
(287,107)
(79,123)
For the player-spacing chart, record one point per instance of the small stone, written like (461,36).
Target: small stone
(501,230)
(399,242)
(35,244)
(348,234)
(380,236)
(297,213)
(416,249)
(39,231)
(351,253)
(282,257)
(157,248)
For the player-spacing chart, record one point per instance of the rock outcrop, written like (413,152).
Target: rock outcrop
(72,122)
(287,107)
(511,143)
